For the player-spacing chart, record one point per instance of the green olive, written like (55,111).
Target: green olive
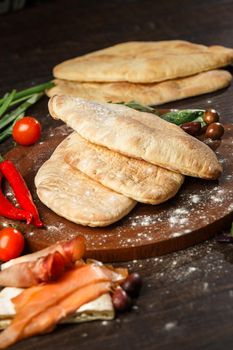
(214,131)
(211,116)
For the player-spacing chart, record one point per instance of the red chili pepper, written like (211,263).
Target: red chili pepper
(8,210)
(20,189)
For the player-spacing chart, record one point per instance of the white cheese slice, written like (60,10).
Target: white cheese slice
(98,309)
(7,309)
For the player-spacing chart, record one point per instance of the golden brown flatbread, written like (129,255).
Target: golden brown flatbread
(76,197)
(144,62)
(147,94)
(138,135)
(134,178)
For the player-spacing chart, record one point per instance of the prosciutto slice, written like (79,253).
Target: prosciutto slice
(46,305)
(27,274)
(71,250)
(48,319)
(43,266)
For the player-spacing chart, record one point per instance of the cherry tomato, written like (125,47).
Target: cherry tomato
(11,243)
(26,131)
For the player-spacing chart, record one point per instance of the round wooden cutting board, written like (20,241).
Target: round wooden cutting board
(197,212)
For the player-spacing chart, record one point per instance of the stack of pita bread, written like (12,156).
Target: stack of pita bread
(115,157)
(149,73)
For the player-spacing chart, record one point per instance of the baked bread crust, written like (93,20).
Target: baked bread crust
(147,94)
(144,62)
(134,178)
(74,196)
(138,135)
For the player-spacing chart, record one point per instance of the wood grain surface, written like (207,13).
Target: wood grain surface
(187,299)
(148,230)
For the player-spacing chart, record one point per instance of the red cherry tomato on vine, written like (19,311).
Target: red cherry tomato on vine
(26,131)
(11,243)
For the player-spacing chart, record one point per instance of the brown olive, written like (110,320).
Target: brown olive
(214,131)
(192,128)
(211,116)
(132,284)
(121,301)
(203,129)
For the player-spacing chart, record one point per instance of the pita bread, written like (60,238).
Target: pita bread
(147,94)
(98,309)
(136,134)
(134,178)
(144,62)
(74,196)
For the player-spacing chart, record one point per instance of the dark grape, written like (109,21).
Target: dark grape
(132,284)
(121,301)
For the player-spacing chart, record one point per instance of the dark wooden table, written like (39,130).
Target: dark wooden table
(187,299)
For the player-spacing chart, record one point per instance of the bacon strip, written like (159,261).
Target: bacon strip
(27,274)
(31,304)
(71,250)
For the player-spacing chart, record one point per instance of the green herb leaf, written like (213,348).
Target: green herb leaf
(177,117)
(32,90)
(21,99)
(183,116)
(9,118)
(6,102)
(8,131)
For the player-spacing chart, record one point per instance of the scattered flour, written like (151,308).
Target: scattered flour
(195,198)
(170,325)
